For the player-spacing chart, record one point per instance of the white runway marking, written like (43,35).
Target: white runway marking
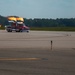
(18,59)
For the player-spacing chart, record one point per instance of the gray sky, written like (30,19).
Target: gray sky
(38,8)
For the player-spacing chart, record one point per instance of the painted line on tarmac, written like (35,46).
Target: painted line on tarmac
(21,59)
(18,59)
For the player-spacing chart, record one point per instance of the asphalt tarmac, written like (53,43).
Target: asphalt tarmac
(33,54)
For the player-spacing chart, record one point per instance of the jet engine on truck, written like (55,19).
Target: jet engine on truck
(16,24)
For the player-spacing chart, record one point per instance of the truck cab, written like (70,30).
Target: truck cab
(20,27)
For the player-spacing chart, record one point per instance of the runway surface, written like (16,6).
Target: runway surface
(31,53)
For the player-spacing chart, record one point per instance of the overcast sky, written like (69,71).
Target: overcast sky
(38,8)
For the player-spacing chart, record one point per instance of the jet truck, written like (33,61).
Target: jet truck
(16,24)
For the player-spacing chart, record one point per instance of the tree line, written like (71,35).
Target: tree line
(38,22)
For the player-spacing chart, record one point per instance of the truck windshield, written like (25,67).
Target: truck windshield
(20,25)
(11,24)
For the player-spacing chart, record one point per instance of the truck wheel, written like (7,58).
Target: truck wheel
(9,30)
(27,31)
(17,31)
(21,30)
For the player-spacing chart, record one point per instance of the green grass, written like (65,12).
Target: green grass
(49,28)
(2,28)
(53,28)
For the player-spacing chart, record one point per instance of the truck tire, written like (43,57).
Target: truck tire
(27,31)
(21,30)
(9,30)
